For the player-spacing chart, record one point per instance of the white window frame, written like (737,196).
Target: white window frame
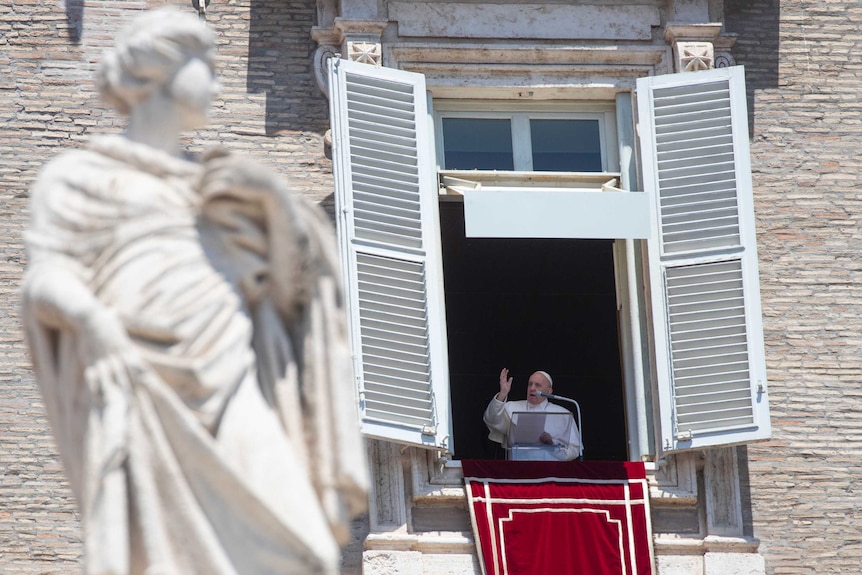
(511,204)
(626,266)
(520,114)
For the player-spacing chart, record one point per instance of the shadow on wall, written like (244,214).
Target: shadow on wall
(280,65)
(745,491)
(756,48)
(75,20)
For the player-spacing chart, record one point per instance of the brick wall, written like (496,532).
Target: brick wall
(803,73)
(270,108)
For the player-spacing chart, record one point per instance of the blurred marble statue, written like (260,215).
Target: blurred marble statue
(186,326)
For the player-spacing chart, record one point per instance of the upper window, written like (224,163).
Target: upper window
(478,144)
(547,137)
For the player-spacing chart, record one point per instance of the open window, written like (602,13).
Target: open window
(415,358)
(528,235)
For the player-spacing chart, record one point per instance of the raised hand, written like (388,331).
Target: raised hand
(505,385)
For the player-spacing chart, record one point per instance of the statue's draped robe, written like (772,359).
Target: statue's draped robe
(233,447)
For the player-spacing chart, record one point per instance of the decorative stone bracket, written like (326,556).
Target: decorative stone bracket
(360,40)
(699,46)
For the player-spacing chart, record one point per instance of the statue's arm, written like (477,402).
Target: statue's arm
(55,293)
(56,298)
(282,234)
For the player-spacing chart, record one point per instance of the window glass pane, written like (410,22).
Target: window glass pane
(477,144)
(566,145)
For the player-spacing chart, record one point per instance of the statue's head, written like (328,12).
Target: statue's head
(148,54)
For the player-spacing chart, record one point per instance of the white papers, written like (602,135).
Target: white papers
(526,428)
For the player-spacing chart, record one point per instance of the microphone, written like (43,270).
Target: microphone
(577,408)
(551,396)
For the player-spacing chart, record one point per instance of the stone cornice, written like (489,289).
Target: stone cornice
(511,70)
(326,36)
(680,32)
(361,28)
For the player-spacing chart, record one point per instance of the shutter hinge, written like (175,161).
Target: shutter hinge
(361,394)
(683,436)
(429,430)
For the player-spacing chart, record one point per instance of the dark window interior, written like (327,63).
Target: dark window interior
(531,304)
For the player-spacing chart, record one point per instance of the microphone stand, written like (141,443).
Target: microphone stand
(577,408)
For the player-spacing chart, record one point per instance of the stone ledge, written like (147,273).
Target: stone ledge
(453,496)
(664,496)
(710,544)
(440,542)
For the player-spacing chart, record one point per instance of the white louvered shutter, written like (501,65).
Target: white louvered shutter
(388,227)
(703,261)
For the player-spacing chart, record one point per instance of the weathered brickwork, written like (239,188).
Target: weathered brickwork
(270,108)
(804,76)
(804,73)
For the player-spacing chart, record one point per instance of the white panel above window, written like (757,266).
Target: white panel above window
(388,227)
(704,282)
(560,213)
(575,205)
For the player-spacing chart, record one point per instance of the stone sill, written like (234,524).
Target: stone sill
(676,546)
(433,542)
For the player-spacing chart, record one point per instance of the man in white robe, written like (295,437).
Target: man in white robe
(558,440)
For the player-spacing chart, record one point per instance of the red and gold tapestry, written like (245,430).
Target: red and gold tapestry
(549,518)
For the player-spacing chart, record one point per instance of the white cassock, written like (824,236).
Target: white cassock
(567,441)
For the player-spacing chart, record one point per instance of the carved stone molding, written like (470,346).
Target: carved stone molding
(328,46)
(724,60)
(365,52)
(489,71)
(674,482)
(361,39)
(693,56)
(693,45)
(320,63)
(388,507)
(616,21)
(369,29)
(722,493)
(723,45)
(676,32)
